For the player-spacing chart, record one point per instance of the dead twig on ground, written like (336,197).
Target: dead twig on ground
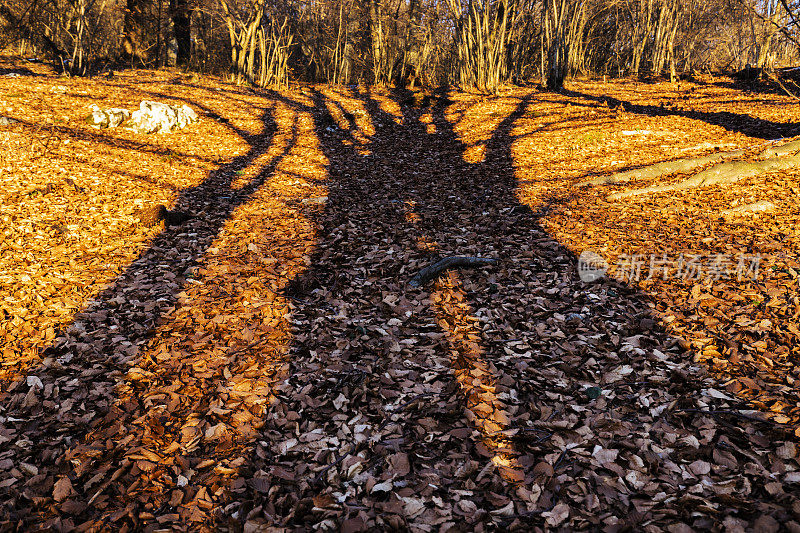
(458,261)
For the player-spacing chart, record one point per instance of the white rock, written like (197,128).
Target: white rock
(117,116)
(107,118)
(157,117)
(97,117)
(151,117)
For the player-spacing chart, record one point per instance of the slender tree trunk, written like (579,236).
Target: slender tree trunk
(577,45)
(767,39)
(559,17)
(673,76)
(131,42)
(159,41)
(181,24)
(338,56)
(379,52)
(643,28)
(78,60)
(482,42)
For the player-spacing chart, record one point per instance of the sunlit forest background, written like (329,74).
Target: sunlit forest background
(476,43)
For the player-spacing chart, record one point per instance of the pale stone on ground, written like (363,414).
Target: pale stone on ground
(151,117)
(763,206)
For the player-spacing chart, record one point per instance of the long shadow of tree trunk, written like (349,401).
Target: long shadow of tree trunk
(399,399)
(737,122)
(400,406)
(78,417)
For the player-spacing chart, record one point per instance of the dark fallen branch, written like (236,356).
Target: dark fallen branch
(777,80)
(507,520)
(457,261)
(339,459)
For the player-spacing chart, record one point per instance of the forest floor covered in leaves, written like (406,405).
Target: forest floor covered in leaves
(266,365)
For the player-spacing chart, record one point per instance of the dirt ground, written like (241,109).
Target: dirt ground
(267,366)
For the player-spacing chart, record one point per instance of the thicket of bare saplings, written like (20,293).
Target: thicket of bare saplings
(477,44)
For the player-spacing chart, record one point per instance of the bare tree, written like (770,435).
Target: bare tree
(480,44)
(181,13)
(259,43)
(483,31)
(132,32)
(562,27)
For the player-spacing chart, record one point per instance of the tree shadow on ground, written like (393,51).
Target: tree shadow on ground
(400,406)
(471,389)
(756,84)
(79,419)
(736,122)
(18,71)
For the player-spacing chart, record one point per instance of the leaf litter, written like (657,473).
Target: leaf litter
(266,364)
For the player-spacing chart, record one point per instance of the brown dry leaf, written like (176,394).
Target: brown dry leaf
(62,489)
(399,464)
(557,516)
